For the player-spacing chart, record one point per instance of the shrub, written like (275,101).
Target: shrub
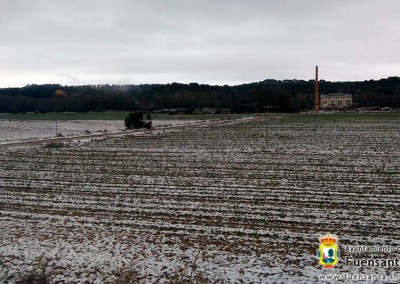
(135,120)
(35,276)
(54,145)
(189,275)
(127,276)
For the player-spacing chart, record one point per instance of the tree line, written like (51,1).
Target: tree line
(280,95)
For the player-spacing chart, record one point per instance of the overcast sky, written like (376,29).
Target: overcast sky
(73,42)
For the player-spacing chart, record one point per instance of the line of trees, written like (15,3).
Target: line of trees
(282,95)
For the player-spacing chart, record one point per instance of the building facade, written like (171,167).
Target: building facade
(336,100)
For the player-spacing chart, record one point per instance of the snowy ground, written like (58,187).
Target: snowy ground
(30,130)
(226,201)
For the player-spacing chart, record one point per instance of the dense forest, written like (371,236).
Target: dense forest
(280,95)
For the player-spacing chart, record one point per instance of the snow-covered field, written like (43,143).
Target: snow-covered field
(222,202)
(30,130)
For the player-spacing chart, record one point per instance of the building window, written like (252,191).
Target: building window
(332,103)
(339,103)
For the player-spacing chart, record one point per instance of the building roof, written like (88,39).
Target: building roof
(335,95)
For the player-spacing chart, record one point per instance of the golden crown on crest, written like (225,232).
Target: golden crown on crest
(328,239)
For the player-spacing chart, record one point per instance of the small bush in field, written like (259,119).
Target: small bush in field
(35,276)
(54,145)
(135,120)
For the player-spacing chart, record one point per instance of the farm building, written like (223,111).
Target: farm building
(336,100)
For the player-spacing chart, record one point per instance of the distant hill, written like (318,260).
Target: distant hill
(282,95)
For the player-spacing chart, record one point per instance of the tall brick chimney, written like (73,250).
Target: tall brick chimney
(316,98)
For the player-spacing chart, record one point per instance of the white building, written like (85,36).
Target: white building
(336,100)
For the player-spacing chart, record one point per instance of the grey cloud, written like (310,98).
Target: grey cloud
(210,41)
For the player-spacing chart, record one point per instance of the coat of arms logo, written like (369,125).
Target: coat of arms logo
(328,251)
